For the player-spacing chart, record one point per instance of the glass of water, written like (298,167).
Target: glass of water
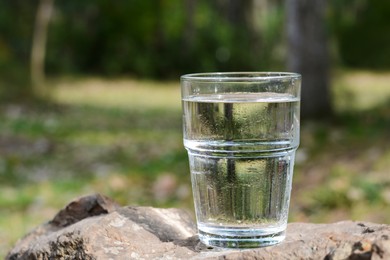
(241,131)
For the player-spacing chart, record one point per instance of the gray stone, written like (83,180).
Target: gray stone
(95,227)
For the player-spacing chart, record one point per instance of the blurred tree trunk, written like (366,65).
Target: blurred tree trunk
(44,12)
(308,54)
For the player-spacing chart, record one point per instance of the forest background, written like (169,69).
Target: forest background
(90,100)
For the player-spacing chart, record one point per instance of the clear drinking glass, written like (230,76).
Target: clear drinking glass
(241,131)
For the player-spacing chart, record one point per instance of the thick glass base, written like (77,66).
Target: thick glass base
(241,241)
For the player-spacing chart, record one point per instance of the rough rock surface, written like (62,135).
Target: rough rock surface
(95,227)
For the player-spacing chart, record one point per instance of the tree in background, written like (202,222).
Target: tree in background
(308,54)
(166,38)
(38,49)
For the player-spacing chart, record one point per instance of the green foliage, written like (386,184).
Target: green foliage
(150,39)
(362,32)
(16,26)
(166,38)
(158,39)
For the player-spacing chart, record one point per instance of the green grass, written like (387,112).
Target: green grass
(123,138)
(360,90)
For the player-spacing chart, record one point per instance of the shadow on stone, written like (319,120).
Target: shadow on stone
(82,208)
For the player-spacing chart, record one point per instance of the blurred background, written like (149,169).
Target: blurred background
(90,100)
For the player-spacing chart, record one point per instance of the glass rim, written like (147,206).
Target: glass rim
(239,76)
